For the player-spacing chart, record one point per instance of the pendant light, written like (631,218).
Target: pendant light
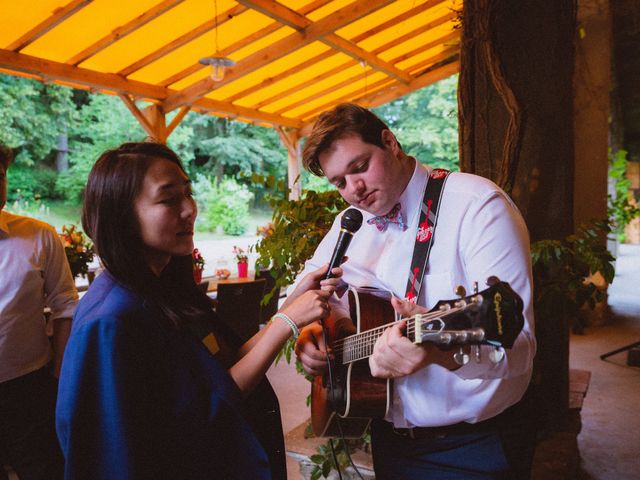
(217,63)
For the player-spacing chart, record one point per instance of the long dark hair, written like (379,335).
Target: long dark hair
(109,219)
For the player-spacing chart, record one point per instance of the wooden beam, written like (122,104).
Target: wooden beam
(235,111)
(300,22)
(344,66)
(58,16)
(177,119)
(123,30)
(142,120)
(318,58)
(384,95)
(19,62)
(277,50)
(182,40)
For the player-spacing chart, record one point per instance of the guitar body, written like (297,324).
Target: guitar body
(350,395)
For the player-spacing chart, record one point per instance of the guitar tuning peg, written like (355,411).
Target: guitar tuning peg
(475,287)
(496,355)
(460,291)
(460,357)
(492,280)
(477,353)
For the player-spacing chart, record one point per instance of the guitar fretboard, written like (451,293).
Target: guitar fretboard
(360,346)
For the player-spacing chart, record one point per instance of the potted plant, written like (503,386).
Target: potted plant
(198,265)
(78,249)
(243,261)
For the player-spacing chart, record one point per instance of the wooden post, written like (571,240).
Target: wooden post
(291,140)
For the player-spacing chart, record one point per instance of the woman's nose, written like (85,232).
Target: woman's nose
(190,209)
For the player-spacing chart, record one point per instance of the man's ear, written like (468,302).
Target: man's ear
(389,141)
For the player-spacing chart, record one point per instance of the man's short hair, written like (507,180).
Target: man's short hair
(345,120)
(6,157)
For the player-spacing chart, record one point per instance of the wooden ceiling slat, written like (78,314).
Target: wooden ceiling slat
(396,91)
(326,91)
(58,16)
(277,50)
(123,30)
(182,40)
(345,98)
(290,17)
(358,38)
(450,36)
(310,81)
(418,31)
(243,42)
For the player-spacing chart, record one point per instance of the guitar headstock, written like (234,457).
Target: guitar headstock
(497,311)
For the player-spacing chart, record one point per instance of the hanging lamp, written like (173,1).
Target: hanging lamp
(217,63)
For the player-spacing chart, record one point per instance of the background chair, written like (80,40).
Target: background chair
(239,306)
(270,309)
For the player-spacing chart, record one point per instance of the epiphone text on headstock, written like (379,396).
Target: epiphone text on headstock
(497,298)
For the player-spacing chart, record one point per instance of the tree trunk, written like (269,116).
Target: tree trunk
(516,128)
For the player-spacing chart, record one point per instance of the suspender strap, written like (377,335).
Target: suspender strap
(426,230)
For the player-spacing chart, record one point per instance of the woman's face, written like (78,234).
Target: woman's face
(166,212)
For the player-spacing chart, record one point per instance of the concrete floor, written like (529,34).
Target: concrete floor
(609,441)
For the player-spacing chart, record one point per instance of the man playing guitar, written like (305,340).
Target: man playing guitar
(457,413)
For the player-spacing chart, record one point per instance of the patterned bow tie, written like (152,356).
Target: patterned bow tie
(394,216)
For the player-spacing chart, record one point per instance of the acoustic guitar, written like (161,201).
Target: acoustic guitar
(346,397)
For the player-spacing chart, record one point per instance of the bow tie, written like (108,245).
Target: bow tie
(383,221)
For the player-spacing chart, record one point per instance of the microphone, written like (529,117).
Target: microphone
(349,224)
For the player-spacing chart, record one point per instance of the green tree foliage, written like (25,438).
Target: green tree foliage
(426,123)
(222,203)
(620,209)
(32,115)
(103,122)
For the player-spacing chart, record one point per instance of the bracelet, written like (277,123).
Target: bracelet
(294,328)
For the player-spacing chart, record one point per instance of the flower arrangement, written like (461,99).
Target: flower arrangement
(198,265)
(78,249)
(241,256)
(265,230)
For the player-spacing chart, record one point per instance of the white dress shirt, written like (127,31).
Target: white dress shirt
(479,233)
(34,273)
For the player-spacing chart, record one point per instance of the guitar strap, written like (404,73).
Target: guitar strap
(426,230)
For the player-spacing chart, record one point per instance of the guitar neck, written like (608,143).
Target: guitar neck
(360,345)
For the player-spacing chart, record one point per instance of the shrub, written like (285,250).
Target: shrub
(224,204)
(28,183)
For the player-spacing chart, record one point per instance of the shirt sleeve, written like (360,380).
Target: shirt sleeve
(104,414)
(61,295)
(495,242)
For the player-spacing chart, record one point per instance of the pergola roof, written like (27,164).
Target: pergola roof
(294,58)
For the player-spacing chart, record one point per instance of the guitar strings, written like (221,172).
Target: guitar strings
(363,340)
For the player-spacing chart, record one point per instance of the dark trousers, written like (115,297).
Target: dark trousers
(497,449)
(28,441)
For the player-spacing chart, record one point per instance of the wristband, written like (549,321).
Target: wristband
(294,328)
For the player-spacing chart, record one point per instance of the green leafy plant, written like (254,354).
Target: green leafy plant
(561,269)
(620,210)
(324,461)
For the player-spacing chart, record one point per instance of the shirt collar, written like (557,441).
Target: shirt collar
(411,198)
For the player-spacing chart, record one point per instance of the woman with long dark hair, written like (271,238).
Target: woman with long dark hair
(152,386)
